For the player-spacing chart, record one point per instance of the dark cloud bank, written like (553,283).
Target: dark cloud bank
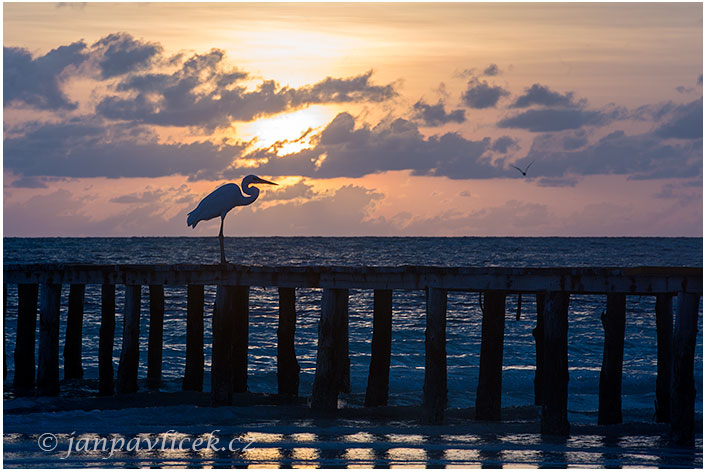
(202,91)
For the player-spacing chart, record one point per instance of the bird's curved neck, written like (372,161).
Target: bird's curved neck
(250,192)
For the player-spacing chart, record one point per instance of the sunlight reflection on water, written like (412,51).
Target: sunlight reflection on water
(364,449)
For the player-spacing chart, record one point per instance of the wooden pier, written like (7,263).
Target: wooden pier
(675,390)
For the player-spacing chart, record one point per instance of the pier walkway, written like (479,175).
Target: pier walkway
(39,290)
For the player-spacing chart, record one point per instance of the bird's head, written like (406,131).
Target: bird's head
(254,179)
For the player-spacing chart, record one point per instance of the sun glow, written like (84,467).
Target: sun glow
(289,132)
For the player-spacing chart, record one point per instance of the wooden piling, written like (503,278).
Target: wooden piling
(556,365)
(489,393)
(435,388)
(73,340)
(379,375)
(538,334)
(48,362)
(287,365)
(106,340)
(155,340)
(130,353)
(610,382)
(4,324)
(193,372)
(222,346)
(332,361)
(663,311)
(25,340)
(683,392)
(240,339)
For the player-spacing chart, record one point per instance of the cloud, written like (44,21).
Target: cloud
(436,115)
(73,5)
(335,90)
(344,211)
(291,192)
(558,112)
(511,217)
(481,95)
(576,140)
(344,150)
(205,93)
(641,156)
(119,53)
(504,143)
(684,192)
(56,214)
(147,196)
(37,81)
(570,181)
(28,182)
(555,119)
(540,95)
(197,90)
(491,70)
(684,90)
(685,122)
(90,148)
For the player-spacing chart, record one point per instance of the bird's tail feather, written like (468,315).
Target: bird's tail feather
(191,219)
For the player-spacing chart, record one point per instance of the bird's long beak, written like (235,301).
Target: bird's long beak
(263,181)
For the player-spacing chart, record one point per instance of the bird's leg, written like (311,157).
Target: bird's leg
(220,239)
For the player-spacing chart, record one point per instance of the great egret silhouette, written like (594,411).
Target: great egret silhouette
(523,172)
(224,199)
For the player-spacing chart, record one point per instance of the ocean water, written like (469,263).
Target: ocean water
(406,373)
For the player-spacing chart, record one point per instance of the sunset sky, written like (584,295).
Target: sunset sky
(375,119)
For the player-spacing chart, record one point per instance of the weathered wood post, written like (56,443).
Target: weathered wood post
(332,361)
(379,375)
(106,340)
(538,334)
(4,323)
(435,389)
(130,353)
(48,362)
(489,392)
(229,365)
(25,340)
(287,365)
(154,342)
(74,333)
(555,392)
(193,372)
(240,339)
(683,392)
(665,326)
(610,383)
(222,346)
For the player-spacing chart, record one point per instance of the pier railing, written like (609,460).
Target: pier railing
(552,287)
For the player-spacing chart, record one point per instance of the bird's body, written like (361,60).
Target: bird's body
(219,202)
(224,199)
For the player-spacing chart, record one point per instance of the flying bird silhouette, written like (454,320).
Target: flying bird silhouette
(224,199)
(523,172)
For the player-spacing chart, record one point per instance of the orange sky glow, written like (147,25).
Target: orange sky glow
(397,119)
